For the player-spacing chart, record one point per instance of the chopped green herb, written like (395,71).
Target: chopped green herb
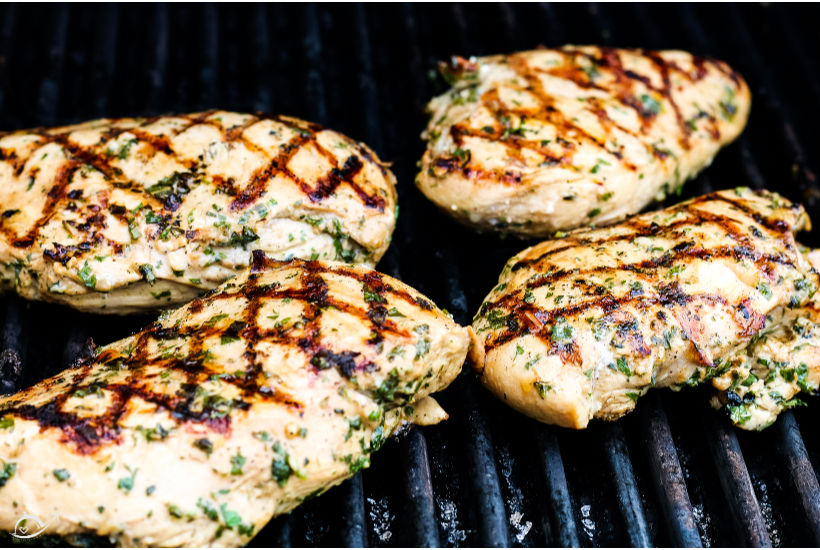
(127,483)
(623,366)
(87,276)
(61,474)
(562,332)
(147,272)
(9,468)
(542,388)
(204,444)
(650,105)
(247,236)
(237,463)
(739,413)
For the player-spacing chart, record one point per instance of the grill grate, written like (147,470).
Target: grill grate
(672,473)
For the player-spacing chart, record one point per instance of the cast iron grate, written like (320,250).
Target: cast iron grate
(672,473)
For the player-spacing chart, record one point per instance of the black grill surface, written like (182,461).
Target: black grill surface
(672,473)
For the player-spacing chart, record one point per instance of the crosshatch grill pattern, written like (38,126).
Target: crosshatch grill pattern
(672,473)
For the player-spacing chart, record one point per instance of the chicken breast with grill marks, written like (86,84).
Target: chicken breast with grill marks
(233,409)
(580,327)
(545,140)
(131,214)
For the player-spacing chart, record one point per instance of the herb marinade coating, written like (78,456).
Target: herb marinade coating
(233,409)
(121,215)
(580,327)
(540,141)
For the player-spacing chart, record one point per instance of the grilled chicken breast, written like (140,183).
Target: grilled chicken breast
(128,214)
(230,410)
(551,139)
(580,327)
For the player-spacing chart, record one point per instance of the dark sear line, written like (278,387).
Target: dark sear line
(100,159)
(144,367)
(515,312)
(608,59)
(669,230)
(520,318)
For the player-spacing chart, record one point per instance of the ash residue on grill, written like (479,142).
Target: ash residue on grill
(487,476)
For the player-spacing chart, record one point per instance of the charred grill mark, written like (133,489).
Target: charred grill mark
(160,144)
(647,267)
(670,296)
(327,185)
(622,89)
(260,262)
(99,158)
(664,67)
(150,355)
(63,179)
(259,181)
(694,217)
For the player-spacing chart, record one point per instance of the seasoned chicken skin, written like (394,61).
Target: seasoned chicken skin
(580,327)
(132,214)
(233,409)
(551,139)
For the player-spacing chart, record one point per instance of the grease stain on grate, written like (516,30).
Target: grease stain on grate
(588,522)
(763,500)
(448,512)
(381,519)
(521,528)
(704,524)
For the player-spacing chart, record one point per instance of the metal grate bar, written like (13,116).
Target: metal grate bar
(741,36)
(419,490)
(49,95)
(786,22)
(209,74)
(737,486)
(790,444)
(105,58)
(493,528)
(159,62)
(629,497)
(355,536)
(261,59)
(12,354)
(281,529)
(313,53)
(9,18)
(668,477)
(563,521)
